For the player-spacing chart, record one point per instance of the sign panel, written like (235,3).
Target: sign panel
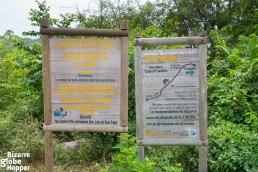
(85,76)
(170,93)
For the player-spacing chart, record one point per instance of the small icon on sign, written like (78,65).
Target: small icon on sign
(166,81)
(60,113)
(148,132)
(192,133)
(190,71)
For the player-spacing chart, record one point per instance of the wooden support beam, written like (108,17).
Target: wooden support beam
(203,91)
(48,151)
(170,142)
(89,128)
(46,75)
(138,89)
(141,152)
(124,76)
(84,32)
(203,167)
(171,41)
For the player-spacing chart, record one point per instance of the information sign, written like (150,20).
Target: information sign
(170,92)
(171,105)
(85,81)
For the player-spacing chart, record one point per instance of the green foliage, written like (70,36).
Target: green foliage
(233,104)
(28,137)
(232,82)
(90,147)
(126,159)
(232,147)
(98,146)
(63,155)
(20,78)
(43,12)
(6,129)
(170,158)
(232,85)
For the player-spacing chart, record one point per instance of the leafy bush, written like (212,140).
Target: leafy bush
(28,138)
(64,155)
(97,146)
(92,147)
(232,147)
(181,157)
(232,82)
(6,128)
(126,159)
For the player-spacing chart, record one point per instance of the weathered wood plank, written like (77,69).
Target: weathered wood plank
(168,69)
(85,86)
(101,65)
(167,142)
(46,79)
(48,151)
(44,23)
(140,152)
(95,99)
(82,70)
(171,95)
(88,128)
(103,92)
(89,120)
(138,92)
(104,55)
(203,92)
(84,32)
(172,108)
(124,79)
(170,56)
(178,82)
(67,78)
(85,45)
(203,166)
(188,131)
(171,41)
(101,108)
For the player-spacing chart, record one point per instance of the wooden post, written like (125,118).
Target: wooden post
(46,78)
(138,88)
(203,108)
(124,79)
(141,153)
(203,159)
(48,151)
(124,76)
(47,97)
(138,92)
(83,32)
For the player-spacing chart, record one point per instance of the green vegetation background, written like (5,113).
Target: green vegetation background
(232,28)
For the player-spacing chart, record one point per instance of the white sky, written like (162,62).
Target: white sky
(14,13)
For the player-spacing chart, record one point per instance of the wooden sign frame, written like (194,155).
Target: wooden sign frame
(203,140)
(47,31)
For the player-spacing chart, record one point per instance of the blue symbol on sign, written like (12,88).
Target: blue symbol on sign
(190,71)
(192,133)
(60,113)
(56,113)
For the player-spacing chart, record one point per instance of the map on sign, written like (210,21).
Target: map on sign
(85,81)
(170,83)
